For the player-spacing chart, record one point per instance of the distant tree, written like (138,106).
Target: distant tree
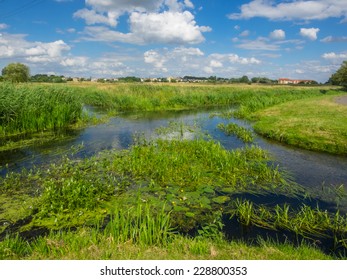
(340,77)
(16,73)
(244,79)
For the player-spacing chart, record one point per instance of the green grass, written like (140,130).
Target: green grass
(144,97)
(27,108)
(149,196)
(139,203)
(317,124)
(86,243)
(246,135)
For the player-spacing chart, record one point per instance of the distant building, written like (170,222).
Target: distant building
(285,81)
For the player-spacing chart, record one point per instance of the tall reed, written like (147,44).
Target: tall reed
(27,108)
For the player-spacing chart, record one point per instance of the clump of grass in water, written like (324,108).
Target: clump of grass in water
(307,222)
(142,225)
(242,133)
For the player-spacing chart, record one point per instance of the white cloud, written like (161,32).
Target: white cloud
(331,39)
(310,33)
(278,34)
(3,26)
(145,28)
(188,4)
(167,27)
(16,46)
(234,58)
(215,64)
(154,58)
(93,17)
(77,61)
(125,5)
(151,21)
(292,10)
(208,70)
(245,33)
(335,58)
(258,44)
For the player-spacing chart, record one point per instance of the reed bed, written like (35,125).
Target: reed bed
(144,97)
(25,109)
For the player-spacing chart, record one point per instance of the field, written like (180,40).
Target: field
(169,199)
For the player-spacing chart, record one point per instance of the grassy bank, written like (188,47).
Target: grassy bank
(317,124)
(86,243)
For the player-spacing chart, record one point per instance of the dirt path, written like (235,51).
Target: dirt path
(341,100)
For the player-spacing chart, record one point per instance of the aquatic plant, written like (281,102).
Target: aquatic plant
(246,135)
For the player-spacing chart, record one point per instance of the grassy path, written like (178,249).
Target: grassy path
(318,124)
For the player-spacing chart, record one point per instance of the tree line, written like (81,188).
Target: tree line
(20,73)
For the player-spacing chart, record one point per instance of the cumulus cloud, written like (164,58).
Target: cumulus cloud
(93,17)
(16,46)
(335,58)
(125,5)
(234,58)
(310,33)
(292,10)
(278,34)
(215,64)
(152,21)
(166,27)
(154,58)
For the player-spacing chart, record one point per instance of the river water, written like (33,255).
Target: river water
(318,172)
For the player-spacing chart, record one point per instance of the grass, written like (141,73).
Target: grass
(26,109)
(141,202)
(317,124)
(147,97)
(246,135)
(86,243)
(150,196)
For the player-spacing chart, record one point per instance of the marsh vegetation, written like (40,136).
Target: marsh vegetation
(179,188)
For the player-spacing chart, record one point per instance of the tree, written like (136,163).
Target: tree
(244,79)
(16,73)
(340,77)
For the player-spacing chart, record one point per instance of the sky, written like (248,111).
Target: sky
(297,39)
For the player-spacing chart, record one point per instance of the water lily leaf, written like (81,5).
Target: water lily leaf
(221,199)
(228,190)
(208,189)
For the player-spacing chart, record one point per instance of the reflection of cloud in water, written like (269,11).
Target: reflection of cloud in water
(187,135)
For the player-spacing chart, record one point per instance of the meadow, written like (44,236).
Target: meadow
(163,199)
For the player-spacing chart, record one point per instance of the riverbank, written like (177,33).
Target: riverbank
(317,124)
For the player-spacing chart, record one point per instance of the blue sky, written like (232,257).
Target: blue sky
(156,38)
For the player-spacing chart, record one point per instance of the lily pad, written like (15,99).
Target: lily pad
(228,190)
(221,199)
